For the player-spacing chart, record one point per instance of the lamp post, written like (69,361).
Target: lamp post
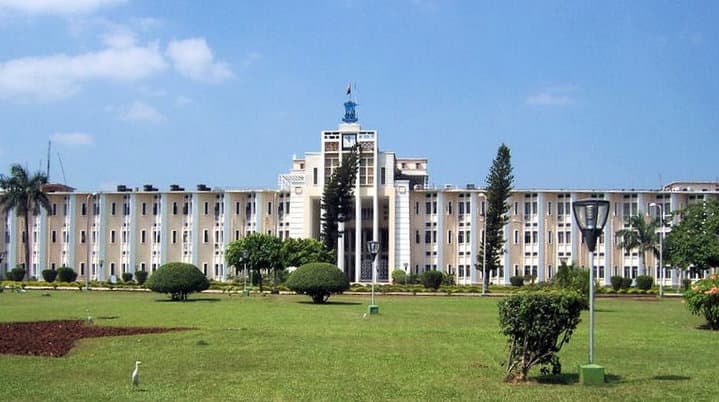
(341,241)
(406,274)
(591,216)
(660,207)
(87,238)
(373,248)
(245,254)
(2,258)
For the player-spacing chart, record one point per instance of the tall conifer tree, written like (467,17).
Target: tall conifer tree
(499,187)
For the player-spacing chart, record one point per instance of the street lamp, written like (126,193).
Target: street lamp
(341,241)
(591,216)
(373,249)
(660,207)
(245,254)
(406,274)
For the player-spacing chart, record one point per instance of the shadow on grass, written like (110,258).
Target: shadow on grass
(332,303)
(204,299)
(705,327)
(671,377)
(108,317)
(573,378)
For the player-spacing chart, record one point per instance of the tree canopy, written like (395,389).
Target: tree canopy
(694,242)
(264,252)
(338,196)
(23,192)
(641,236)
(499,187)
(297,252)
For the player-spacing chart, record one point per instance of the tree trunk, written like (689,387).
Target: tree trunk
(27,245)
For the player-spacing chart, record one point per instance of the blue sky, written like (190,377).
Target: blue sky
(586,94)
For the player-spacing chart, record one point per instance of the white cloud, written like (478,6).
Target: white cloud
(194,59)
(141,111)
(553,96)
(119,37)
(59,76)
(61,7)
(72,138)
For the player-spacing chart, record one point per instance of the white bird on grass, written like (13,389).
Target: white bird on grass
(135,377)
(89,320)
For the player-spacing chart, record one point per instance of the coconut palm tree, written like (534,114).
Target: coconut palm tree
(641,236)
(23,193)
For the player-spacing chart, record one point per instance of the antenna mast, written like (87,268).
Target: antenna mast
(49,144)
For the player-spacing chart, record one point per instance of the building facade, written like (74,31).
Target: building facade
(420,227)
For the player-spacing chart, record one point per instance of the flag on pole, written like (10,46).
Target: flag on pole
(349,88)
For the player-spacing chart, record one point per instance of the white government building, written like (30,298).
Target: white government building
(420,227)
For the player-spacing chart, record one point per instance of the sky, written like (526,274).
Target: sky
(586,94)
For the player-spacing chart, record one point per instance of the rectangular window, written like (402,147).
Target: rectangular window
(113,208)
(269,208)
(237,235)
(549,237)
(155,208)
(449,237)
(142,236)
(174,236)
(549,208)
(461,208)
(516,237)
(205,236)
(174,208)
(416,207)
(527,237)
(82,236)
(144,208)
(83,209)
(416,236)
(560,235)
(124,236)
(54,209)
(434,207)
(460,237)
(112,236)
(314,176)
(434,236)
(53,236)
(449,208)
(427,236)
(207,208)
(383,174)
(427,208)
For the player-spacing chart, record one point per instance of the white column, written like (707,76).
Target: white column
(359,249)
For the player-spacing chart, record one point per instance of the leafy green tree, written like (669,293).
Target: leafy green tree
(264,252)
(499,188)
(177,279)
(23,192)
(318,280)
(338,195)
(537,324)
(641,236)
(297,252)
(694,242)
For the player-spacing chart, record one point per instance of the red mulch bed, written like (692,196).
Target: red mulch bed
(56,338)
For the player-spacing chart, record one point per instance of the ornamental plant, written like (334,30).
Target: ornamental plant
(537,325)
(178,279)
(703,299)
(66,274)
(318,280)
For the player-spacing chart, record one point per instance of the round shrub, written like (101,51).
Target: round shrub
(516,281)
(703,299)
(49,275)
(318,280)
(616,282)
(127,276)
(178,279)
(626,283)
(644,282)
(432,279)
(16,274)
(399,276)
(140,277)
(66,274)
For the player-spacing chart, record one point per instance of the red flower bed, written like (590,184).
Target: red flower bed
(56,338)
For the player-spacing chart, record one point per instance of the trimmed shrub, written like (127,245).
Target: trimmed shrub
(703,299)
(49,275)
(178,279)
(16,274)
(516,281)
(140,277)
(127,276)
(537,324)
(448,279)
(318,280)
(644,282)
(66,274)
(626,283)
(432,279)
(616,282)
(399,276)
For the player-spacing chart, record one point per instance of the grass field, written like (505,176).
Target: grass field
(284,348)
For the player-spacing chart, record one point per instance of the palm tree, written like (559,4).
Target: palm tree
(641,236)
(23,193)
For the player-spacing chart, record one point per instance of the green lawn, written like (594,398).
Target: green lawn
(283,348)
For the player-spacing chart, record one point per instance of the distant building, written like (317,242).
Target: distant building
(420,227)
